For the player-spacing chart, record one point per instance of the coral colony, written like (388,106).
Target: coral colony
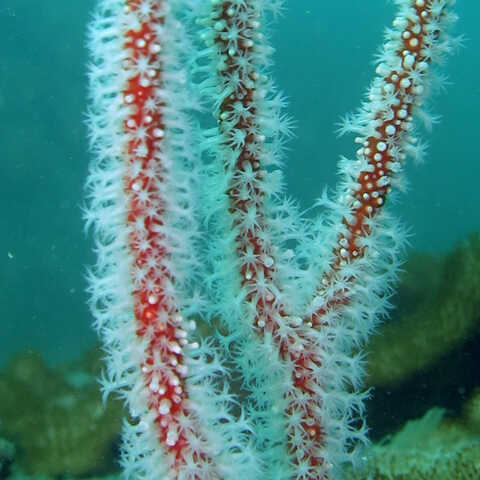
(191,225)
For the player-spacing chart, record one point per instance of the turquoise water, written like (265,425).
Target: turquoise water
(323,64)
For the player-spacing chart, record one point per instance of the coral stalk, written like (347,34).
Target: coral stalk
(141,207)
(168,214)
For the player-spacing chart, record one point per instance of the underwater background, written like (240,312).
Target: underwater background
(324,64)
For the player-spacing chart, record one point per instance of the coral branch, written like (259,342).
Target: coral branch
(155,307)
(142,212)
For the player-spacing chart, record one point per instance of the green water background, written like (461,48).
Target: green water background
(323,64)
